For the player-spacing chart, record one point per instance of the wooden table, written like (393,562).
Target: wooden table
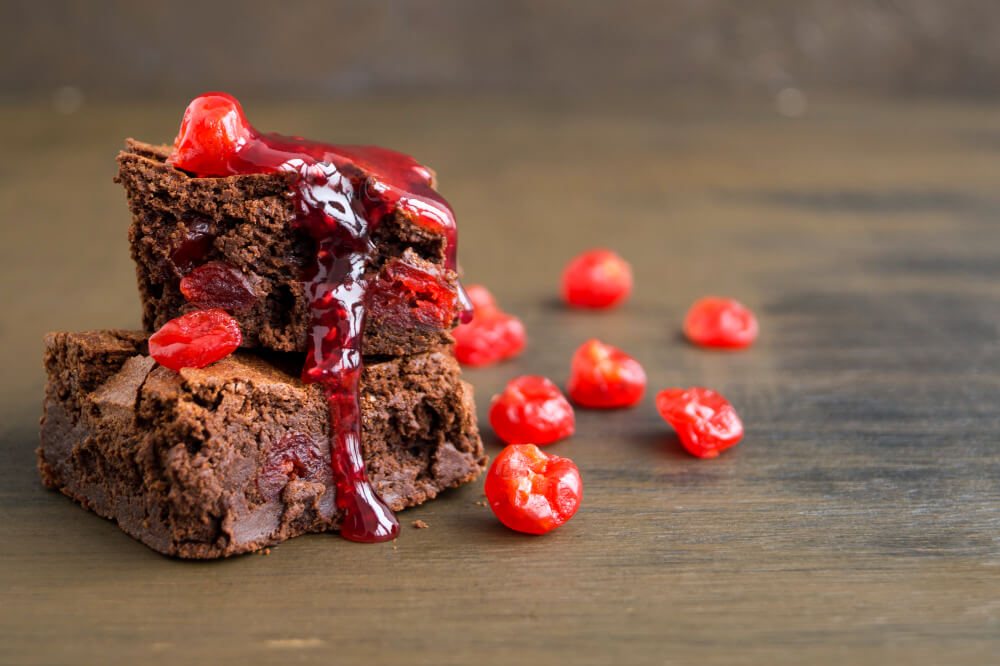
(858,522)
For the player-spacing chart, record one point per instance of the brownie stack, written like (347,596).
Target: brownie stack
(235,456)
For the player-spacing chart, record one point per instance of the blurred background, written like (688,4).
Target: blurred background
(71,51)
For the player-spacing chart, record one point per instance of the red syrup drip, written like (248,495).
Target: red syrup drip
(341,194)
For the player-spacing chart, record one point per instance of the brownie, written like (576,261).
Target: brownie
(233,457)
(247,223)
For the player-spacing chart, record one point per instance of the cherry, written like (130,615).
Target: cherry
(409,295)
(195,340)
(720,322)
(596,278)
(218,285)
(213,130)
(704,420)
(491,336)
(294,456)
(603,376)
(191,249)
(531,410)
(533,492)
(481,298)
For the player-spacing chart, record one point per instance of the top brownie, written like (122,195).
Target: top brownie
(245,223)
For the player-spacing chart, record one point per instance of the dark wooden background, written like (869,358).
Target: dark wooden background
(858,522)
(122,49)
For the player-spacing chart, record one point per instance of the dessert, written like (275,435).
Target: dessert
(328,253)
(234,457)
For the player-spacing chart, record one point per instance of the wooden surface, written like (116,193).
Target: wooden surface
(856,523)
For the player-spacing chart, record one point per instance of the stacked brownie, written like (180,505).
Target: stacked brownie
(229,458)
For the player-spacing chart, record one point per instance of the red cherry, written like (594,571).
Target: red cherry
(295,456)
(213,130)
(195,340)
(720,322)
(704,420)
(192,247)
(603,376)
(530,491)
(481,298)
(409,296)
(218,285)
(491,335)
(531,410)
(597,279)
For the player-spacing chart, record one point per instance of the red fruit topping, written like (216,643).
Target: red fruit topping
(531,410)
(295,456)
(195,340)
(214,129)
(411,296)
(705,421)
(191,249)
(217,285)
(530,491)
(491,336)
(603,376)
(720,322)
(596,279)
(480,297)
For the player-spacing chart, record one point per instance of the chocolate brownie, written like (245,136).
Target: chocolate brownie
(233,457)
(247,223)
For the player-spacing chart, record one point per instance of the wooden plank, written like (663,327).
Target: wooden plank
(857,522)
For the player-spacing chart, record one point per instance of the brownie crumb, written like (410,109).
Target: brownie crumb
(420,525)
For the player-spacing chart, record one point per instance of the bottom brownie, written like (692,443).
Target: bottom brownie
(233,457)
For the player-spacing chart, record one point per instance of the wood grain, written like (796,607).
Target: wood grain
(858,522)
